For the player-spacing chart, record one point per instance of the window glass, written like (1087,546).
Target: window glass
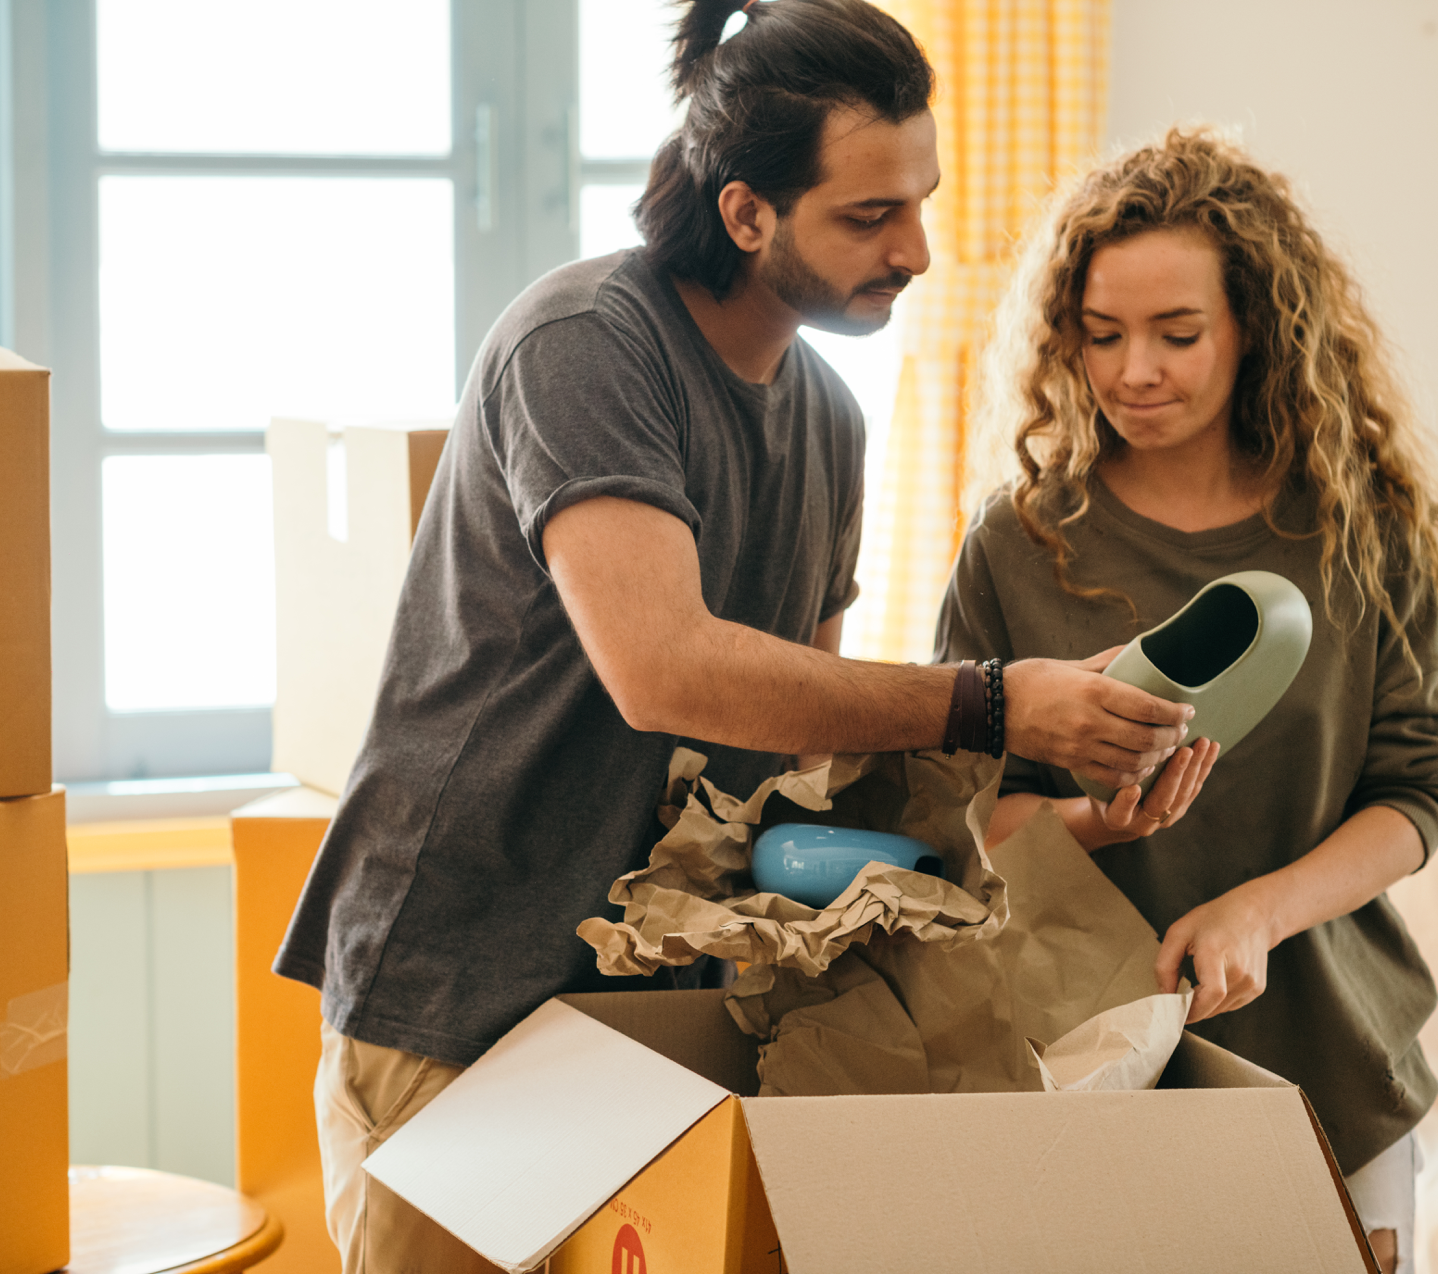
(625,105)
(189,582)
(321,77)
(225,301)
(604,221)
(870,367)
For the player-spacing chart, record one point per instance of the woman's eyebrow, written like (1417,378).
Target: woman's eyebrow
(1182,312)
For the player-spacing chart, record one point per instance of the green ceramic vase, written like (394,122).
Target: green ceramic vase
(1232,652)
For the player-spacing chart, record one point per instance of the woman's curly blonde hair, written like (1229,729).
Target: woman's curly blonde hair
(1316,404)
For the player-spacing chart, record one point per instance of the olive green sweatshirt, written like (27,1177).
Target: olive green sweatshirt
(1345,999)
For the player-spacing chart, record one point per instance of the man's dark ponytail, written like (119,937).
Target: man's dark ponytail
(696,35)
(757,104)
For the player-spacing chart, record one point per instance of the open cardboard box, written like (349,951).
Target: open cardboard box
(619,1132)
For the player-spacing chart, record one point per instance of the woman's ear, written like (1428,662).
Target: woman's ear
(749,218)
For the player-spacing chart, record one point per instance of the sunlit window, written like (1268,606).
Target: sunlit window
(277,77)
(189,582)
(230,295)
(227,300)
(622,117)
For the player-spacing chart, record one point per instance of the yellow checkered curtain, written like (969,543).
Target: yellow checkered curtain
(1022,89)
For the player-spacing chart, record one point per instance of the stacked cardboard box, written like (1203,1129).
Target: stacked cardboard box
(347,503)
(34,935)
(34,968)
(24,577)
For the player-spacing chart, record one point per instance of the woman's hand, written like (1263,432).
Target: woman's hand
(1229,940)
(1132,816)
(1129,816)
(1230,937)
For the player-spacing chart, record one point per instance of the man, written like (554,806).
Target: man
(642,532)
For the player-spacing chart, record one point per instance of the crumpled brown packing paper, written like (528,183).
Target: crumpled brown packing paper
(696,896)
(905,983)
(1120,1050)
(896,1016)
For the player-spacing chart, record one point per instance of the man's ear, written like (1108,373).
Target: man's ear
(749,218)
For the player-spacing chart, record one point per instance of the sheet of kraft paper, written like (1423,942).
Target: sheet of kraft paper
(905,983)
(697,897)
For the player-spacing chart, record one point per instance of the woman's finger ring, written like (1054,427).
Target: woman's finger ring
(1157,818)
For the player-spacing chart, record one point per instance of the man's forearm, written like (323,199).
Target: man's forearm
(735,685)
(628,575)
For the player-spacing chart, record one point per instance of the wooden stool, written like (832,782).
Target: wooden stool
(141,1222)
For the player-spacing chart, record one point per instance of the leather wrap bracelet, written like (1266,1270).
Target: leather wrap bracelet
(968,723)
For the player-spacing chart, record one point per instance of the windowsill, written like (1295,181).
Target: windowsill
(149,844)
(154,824)
(207,797)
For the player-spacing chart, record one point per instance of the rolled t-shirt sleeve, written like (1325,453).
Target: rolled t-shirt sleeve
(1400,769)
(580,411)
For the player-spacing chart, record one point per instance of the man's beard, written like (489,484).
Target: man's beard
(802,288)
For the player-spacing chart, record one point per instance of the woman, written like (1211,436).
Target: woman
(1197,389)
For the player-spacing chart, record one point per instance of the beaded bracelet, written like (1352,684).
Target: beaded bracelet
(993,674)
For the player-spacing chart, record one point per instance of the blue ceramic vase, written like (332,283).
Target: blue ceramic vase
(814,865)
(1232,652)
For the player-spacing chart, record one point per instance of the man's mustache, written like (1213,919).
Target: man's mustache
(897,281)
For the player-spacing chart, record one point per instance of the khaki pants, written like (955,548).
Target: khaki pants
(363,1095)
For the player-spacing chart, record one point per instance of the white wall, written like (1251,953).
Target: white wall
(1342,96)
(152,1020)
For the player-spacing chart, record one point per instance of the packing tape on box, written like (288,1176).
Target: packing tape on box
(33,1032)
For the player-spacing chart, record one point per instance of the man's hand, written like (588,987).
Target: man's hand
(1063,713)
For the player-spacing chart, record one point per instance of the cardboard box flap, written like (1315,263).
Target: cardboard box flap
(1198,1064)
(1176,1180)
(538,1134)
(10,361)
(347,502)
(425,446)
(693,1028)
(293,802)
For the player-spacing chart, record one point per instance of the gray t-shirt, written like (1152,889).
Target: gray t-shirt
(499,792)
